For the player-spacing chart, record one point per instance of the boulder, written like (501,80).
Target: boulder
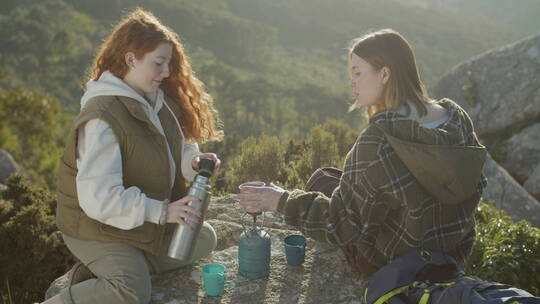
(500,89)
(532,185)
(520,154)
(8,165)
(505,193)
(325,276)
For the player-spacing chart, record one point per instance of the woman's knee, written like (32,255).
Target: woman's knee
(206,242)
(144,291)
(209,235)
(131,289)
(123,275)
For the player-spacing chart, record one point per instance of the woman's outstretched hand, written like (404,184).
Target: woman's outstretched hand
(265,198)
(179,212)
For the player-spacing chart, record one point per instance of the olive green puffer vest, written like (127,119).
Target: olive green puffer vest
(145,164)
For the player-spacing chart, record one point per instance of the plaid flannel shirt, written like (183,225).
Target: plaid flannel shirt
(380,206)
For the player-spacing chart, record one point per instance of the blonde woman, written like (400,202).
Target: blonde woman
(411,181)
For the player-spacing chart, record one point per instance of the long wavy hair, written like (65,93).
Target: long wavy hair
(141,32)
(388,48)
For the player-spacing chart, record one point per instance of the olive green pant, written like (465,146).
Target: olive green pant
(122,271)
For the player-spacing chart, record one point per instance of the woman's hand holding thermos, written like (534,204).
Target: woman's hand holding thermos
(179,212)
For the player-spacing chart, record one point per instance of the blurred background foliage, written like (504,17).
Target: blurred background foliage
(274,68)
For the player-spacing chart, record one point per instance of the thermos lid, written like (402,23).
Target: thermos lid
(206,167)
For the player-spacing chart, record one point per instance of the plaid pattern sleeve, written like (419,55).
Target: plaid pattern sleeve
(353,213)
(380,206)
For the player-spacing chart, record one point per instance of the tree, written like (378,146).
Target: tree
(260,159)
(32,254)
(322,151)
(32,129)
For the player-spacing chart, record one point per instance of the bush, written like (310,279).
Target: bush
(32,130)
(505,251)
(266,158)
(260,159)
(322,151)
(344,135)
(32,254)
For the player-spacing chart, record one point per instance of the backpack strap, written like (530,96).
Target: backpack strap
(397,276)
(413,278)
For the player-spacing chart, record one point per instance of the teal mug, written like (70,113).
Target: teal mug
(295,249)
(214,276)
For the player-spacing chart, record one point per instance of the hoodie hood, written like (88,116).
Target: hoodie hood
(110,85)
(447,161)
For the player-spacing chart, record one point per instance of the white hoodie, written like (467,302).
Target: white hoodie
(100,189)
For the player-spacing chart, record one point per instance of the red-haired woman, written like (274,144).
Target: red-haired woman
(128,157)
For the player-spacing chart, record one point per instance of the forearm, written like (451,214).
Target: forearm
(319,217)
(191,150)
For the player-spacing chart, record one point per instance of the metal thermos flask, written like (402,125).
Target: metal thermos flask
(183,240)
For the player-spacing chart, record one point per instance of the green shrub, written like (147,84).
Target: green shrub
(322,151)
(31,251)
(32,130)
(260,159)
(266,158)
(344,135)
(226,149)
(505,251)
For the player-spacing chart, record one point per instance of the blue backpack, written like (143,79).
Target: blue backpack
(423,277)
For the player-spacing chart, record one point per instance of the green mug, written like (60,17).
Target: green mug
(214,277)
(295,249)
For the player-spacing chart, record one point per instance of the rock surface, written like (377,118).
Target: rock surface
(520,153)
(532,185)
(323,278)
(502,91)
(505,193)
(8,165)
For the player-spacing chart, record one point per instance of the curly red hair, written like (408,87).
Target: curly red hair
(141,32)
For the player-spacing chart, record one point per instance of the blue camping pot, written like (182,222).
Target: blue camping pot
(254,250)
